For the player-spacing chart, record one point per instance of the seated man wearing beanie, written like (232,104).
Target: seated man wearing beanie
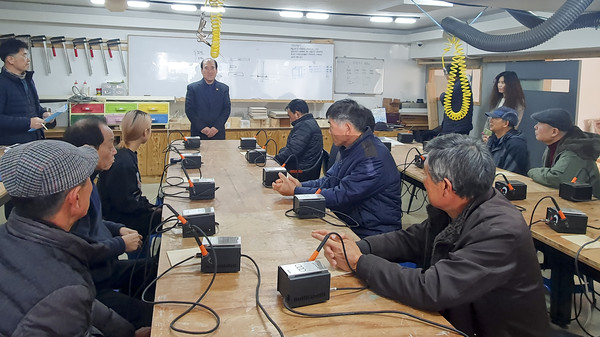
(130,276)
(363,187)
(507,145)
(305,142)
(570,153)
(46,286)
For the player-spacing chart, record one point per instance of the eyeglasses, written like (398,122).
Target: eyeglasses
(24,55)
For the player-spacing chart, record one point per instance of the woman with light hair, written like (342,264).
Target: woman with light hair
(121,187)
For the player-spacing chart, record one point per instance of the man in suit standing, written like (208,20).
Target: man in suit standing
(207,103)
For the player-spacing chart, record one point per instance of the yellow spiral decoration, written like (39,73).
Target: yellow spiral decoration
(215,22)
(457,71)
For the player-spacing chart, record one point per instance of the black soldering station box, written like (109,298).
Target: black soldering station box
(203,218)
(405,138)
(575,191)
(270,174)
(247,143)
(308,206)
(388,145)
(192,142)
(420,160)
(303,283)
(519,191)
(256,156)
(192,160)
(204,189)
(575,223)
(229,253)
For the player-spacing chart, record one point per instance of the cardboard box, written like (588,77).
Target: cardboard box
(274,122)
(259,123)
(233,123)
(391,104)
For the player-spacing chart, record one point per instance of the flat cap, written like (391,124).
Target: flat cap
(506,113)
(557,118)
(46,167)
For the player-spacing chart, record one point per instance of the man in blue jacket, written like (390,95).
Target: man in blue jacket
(305,142)
(507,145)
(20,108)
(207,103)
(363,187)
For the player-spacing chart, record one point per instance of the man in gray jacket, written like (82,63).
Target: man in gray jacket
(46,286)
(476,263)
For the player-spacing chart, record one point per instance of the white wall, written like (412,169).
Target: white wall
(403,78)
(587,104)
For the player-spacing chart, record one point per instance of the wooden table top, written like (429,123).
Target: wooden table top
(535,192)
(243,207)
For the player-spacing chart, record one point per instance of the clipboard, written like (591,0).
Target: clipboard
(53,116)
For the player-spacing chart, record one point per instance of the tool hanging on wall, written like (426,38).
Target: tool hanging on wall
(42,39)
(98,42)
(82,41)
(27,39)
(200,35)
(61,40)
(117,43)
(215,20)
(457,73)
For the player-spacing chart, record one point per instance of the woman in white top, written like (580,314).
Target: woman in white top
(507,92)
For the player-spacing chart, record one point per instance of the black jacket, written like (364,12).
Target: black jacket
(480,271)
(305,142)
(121,194)
(510,152)
(17,107)
(464,125)
(46,287)
(207,105)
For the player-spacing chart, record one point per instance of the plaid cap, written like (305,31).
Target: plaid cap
(506,113)
(46,167)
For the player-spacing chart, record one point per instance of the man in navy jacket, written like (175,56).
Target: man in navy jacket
(20,108)
(207,103)
(363,187)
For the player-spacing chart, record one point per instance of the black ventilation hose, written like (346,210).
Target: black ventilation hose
(541,33)
(529,20)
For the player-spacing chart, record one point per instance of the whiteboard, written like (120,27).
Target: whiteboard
(164,66)
(358,76)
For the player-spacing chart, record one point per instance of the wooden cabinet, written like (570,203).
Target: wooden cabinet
(114,111)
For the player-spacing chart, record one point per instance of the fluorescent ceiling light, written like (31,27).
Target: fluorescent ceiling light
(210,9)
(98,2)
(138,4)
(291,14)
(429,3)
(317,16)
(384,19)
(406,20)
(184,8)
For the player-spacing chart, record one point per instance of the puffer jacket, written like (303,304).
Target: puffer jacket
(46,287)
(362,187)
(479,271)
(17,107)
(305,142)
(575,155)
(510,151)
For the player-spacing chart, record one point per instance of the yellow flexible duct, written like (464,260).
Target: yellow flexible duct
(458,70)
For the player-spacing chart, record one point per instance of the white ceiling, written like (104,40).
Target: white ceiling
(467,12)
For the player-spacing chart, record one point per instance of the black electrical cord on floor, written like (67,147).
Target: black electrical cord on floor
(257,295)
(374,312)
(581,281)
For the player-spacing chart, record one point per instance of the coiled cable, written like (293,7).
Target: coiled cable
(457,71)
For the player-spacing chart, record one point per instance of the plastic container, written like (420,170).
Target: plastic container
(85,89)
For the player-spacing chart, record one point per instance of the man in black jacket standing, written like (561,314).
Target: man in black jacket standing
(46,287)
(476,263)
(305,142)
(20,108)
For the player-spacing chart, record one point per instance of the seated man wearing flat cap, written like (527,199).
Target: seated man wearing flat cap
(46,286)
(571,152)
